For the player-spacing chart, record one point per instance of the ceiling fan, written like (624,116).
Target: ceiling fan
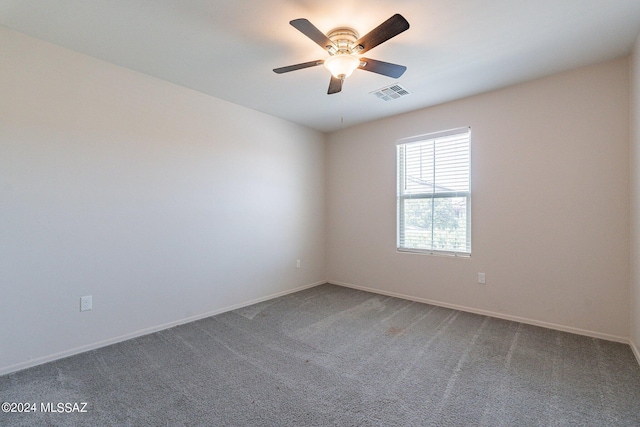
(344,48)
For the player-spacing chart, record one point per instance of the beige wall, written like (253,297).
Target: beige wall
(162,203)
(550,204)
(635,199)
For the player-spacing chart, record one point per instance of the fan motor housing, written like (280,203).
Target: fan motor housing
(344,38)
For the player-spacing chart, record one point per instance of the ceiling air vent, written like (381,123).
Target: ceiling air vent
(390,92)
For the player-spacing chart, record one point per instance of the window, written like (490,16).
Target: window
(434,193)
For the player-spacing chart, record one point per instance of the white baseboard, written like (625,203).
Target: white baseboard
(534,322)
(50,358)
(636,352)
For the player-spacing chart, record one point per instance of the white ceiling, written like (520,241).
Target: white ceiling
(228,48)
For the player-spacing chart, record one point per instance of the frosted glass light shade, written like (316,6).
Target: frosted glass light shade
(341,65)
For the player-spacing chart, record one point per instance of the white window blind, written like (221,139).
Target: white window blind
(434,193)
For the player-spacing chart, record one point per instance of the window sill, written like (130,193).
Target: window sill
(435,253)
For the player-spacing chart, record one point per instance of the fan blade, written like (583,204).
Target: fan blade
(335,85)
(298,66)
(309,30)
(383,32)
(381,67)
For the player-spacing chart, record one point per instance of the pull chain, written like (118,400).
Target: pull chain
(341,109)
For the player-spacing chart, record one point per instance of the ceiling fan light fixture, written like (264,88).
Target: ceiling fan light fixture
(345,46)
(341,66)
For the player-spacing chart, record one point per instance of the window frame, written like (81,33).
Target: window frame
(401,196)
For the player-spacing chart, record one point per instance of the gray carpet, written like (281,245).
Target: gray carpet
(331,356)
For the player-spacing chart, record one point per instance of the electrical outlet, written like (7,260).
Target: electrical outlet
(297,263)
(86,303)
(481,279)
